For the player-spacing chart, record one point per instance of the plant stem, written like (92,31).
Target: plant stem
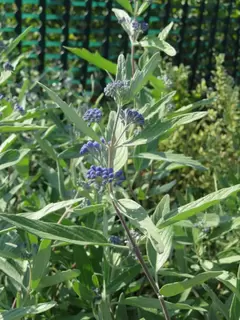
(143,264)
(132,57)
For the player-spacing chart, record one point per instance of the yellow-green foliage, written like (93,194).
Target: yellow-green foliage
(215,140)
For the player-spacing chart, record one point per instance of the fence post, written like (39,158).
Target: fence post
(227,23)
(198,42)
(182,32)
(236,53)
(167,12)
(86,32)
(18,16)
(212,38)
(107,32)
(42,31)
(65,30)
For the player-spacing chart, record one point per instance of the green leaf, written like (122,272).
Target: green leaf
(85,210)
(94,58)
(19,313)
(161,210)
(157,190)
(172,158)
(59,277)
(158,106)
(121,155)
(46,146)
(140,219)
(8,142)
(70,153)
(143,8)
(104,64)
(175,288)
(121,310)
(192,208)
(153,42)
(164,33)
(71,234)
(126,5)
(121,68)
(19,128)
(50,208)
(15,42)
(158,260)
(123,279)
(140,78)
(40,263)
(235,305)
(84,264)
(7,268)
(192,106)
(150,133)
(217,302)
(152,303)
(71,114)
(12,157)
(123,15)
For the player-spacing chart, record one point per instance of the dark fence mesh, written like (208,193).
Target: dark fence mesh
(201,29)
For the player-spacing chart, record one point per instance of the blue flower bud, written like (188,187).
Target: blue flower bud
(7,66)
(115,240)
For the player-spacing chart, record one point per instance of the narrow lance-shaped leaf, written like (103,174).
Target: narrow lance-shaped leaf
(192,208)
(94,58)
(172,158)
(15,42)
(59,277)
(140,78)
(157,260)
(153,303)
(235,305)
(139,218)
(40,263)
(19,313)
(126,5)
(175,288)
(19,128)
(12,157)
(50,208)
(71,114)
(71,234)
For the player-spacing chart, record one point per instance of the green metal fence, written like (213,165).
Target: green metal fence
(201,29)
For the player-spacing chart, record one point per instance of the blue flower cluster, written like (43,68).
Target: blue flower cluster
(139,26)
(93,115)
(7,66)
(132,116)
(19,108)
(101,176)
(1,96)
(114,87)
(115,240)
(90,146)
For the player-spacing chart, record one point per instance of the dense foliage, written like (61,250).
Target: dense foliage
(94,220)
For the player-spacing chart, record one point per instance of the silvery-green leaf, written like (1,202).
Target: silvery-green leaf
(172,158)
(193,208)
(121,154)
(20,313)
(140,78)
(164,33)
(123,16)
(157,260)
(140,219)
(121,68)
(153,42)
